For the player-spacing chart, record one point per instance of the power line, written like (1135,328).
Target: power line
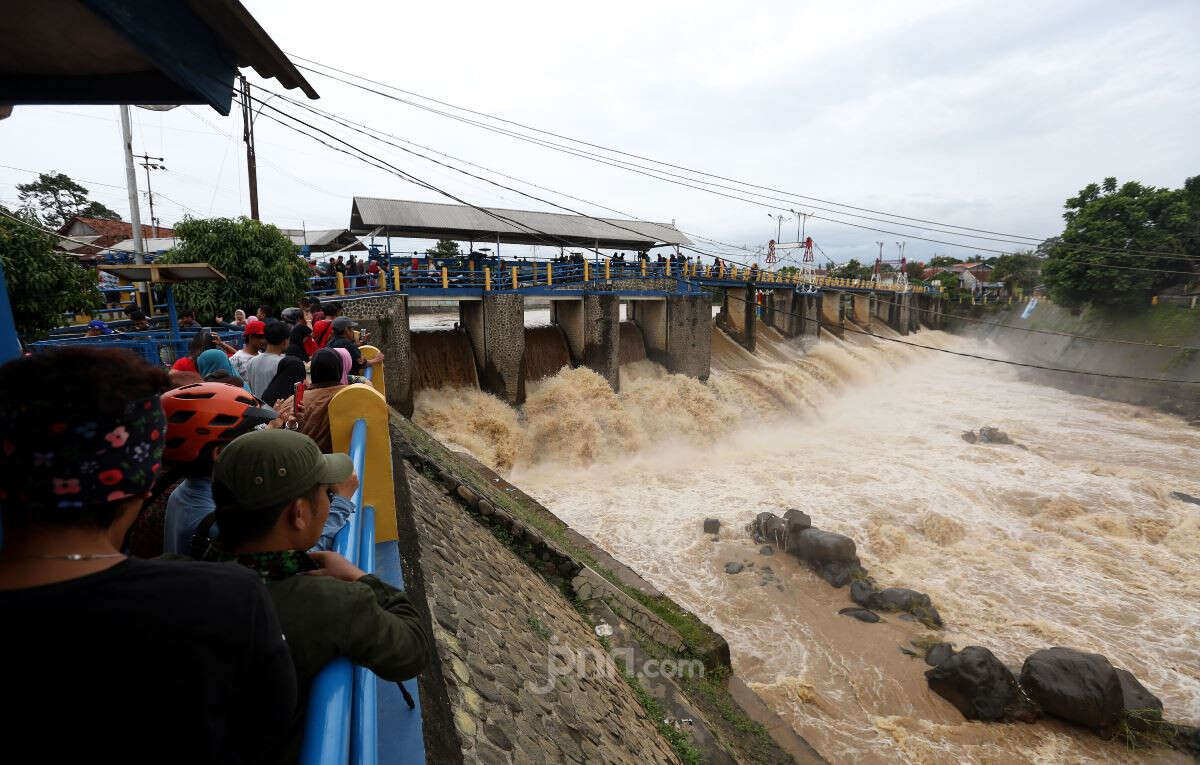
(887,231)
(701,251)
(793,195)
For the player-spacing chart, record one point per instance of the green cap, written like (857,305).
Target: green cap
(269,467)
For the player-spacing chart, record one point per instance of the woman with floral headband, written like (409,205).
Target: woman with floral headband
(111,658)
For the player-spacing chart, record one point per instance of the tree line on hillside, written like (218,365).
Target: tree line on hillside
(1121,244)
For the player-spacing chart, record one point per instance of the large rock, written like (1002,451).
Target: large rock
(1143,710)
(817,547)
(768,527)
(861,592)
(831,555)
(990,435)
(796,521)
(938,654)
(712,525)
(1079,687)
(979,686)
(1135,697)
(904,599)
(862,614)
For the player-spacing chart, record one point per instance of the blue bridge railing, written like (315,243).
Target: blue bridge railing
(330,722)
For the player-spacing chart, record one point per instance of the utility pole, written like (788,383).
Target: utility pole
(135,216)
(801,224)
(880,250)
(248,137)
(151,163)
(899,248)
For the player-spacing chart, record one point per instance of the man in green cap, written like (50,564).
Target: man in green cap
(272,490)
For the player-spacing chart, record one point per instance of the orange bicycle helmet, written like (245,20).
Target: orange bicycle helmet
(203,415)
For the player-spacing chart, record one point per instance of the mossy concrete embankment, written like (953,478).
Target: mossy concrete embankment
(1145,343)
(543,639)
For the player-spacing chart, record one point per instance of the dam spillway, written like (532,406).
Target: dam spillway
(1014,545)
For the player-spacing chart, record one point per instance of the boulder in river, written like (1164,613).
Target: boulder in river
(831,555)
(904,599)
(733,567)
(861,591)
(796,521)
(766,550)
(979,686)
(990,435)
(768,527)
(970,437)
(1143,709)
(712,525)
(938,653)
(1083,688)
(862,614)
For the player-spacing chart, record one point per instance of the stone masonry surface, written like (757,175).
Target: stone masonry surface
(493,623)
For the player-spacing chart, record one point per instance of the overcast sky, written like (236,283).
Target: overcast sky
(978,114)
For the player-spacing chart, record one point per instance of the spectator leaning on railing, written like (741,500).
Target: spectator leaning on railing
(272,491)
(109,658)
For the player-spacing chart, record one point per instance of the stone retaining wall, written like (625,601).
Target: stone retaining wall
(493,627)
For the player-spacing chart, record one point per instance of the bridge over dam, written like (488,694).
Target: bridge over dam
(602,316)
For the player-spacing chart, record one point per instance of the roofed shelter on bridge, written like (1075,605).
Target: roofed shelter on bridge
(433,220)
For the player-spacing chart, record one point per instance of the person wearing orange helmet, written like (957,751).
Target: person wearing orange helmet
(201,420)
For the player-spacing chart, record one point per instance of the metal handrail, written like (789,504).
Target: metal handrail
(328,730)
(364,733)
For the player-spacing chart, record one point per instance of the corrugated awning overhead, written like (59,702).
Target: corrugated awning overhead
(153,52)
(432,220)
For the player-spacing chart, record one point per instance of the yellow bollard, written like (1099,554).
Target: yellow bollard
(395,278)
(607,270)
(668,267)
(644,269)
(514,277)
(721,270)
(382,281)
(587,271)
(350,404)
(445,279)
(707,271)
(341,283)
(549,273)
(487,278)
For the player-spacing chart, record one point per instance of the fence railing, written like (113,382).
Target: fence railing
(517,275)
(155,346)
(342,722)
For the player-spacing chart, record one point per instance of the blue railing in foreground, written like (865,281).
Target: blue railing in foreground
(327,727)
(364,733)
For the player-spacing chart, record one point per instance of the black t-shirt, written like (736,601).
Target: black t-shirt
(356,359)
(146,661)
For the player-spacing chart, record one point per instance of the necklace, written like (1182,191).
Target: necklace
(77,556)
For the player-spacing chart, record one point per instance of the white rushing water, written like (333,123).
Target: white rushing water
(1073,540)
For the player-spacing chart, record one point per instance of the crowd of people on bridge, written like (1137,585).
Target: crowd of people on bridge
(166,575)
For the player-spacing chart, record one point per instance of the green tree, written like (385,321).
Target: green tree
(915,271)
(54,199)
(260,265)
(938,261)
(446,248)
(43,284)
(1101,257)
(1021,269)
(852,270)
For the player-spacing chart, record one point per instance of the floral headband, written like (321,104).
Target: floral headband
(73,464)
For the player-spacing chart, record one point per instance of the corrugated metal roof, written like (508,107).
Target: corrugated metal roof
(432,220)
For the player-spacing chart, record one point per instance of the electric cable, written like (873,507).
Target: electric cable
(1032,239)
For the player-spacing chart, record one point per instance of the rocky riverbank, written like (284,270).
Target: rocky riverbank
(1079,688)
